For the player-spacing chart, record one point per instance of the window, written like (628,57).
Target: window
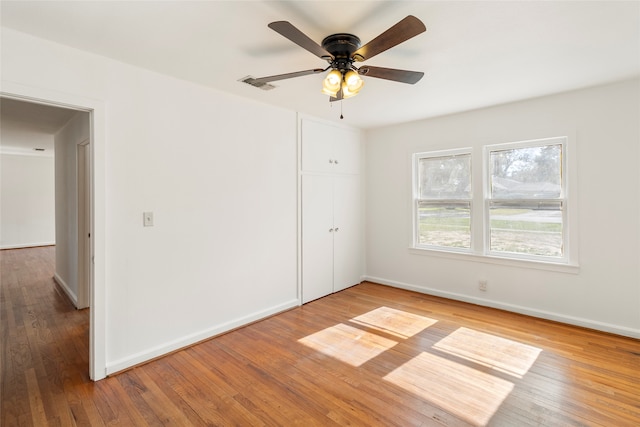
(442,205)
(521,213)
(525,199)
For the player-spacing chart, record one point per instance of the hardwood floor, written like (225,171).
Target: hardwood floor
(367,356)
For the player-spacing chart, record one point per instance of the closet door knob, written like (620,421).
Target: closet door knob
(335,161)
(331,230)
(336,229)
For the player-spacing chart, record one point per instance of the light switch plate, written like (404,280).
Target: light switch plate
(147,219)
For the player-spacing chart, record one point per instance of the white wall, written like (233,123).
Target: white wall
(27,215)
(74,132)
(219,173)
(604,293)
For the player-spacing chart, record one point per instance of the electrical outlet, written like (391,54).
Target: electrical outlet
(482,285)
(147,219)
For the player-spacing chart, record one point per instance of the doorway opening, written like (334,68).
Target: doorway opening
(71,127)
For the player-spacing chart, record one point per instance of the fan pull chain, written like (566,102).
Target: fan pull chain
(341,116)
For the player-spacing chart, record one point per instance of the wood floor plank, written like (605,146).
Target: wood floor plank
(36,408)
(160,403)
(311,377)
(370,355)
(209,393)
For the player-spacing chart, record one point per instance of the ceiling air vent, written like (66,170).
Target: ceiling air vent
(260,85)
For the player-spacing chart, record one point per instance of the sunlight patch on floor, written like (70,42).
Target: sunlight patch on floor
(498,353)
(394,322)
(467,393)
(348,344)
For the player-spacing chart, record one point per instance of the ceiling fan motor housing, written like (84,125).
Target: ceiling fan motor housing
(341,46)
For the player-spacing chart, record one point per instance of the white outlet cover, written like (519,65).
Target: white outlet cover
(147,219)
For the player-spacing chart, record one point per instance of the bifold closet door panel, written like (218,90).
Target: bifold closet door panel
(317,236)
(348,229)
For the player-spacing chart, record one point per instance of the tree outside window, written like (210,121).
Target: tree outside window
(525,201)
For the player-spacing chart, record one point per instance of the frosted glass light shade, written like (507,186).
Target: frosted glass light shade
(353,82)
(351,85)
(332,83)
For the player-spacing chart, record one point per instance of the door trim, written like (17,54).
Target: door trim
(97,114)
(83,168)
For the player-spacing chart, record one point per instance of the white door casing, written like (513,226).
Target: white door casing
(97,110)
(83,159)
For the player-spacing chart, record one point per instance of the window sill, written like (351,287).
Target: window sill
(488,259)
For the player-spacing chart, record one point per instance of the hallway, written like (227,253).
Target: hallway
(43,337)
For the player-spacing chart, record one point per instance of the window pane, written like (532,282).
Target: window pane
(447,177)
(527,173)
(444,224)
(527,231)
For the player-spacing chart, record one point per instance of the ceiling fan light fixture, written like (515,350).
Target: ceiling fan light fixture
(351,85)
(346,93)
(353,81)
(332,83)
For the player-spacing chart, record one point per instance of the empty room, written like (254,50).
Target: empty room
(274,213)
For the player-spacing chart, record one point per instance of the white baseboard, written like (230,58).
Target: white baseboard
(67,290)
(183,342)
(27,245)
(543,314)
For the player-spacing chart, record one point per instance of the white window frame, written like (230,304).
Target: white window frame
(569,263)
(416,198)
(488,149)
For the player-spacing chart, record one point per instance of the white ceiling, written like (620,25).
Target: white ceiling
(42,118)
(474,54)
(26,126)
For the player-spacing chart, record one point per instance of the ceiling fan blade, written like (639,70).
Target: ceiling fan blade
(287,76)
(403,76)
(287,30)
(404,30)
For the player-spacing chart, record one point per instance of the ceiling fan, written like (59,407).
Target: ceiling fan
(341,50)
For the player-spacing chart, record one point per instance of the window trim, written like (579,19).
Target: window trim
(487,199)
(569,268)
(479,213)
(415,161)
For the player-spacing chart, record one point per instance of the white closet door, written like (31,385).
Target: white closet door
(346,152)
(317,236)
(317,147)
(347,243)
(330,149)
